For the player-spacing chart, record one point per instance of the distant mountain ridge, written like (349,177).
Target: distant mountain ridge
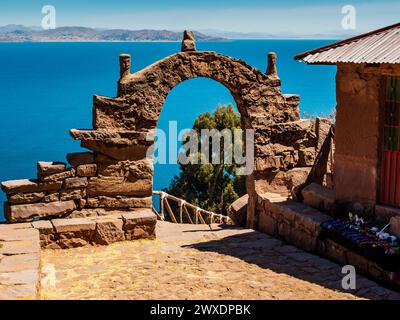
(20,33)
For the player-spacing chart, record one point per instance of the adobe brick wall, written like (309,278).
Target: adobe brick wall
(358,132)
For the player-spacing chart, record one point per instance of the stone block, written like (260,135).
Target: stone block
(109,229)
(318,197)
(271,162)
(131,170)
(72,194)
(28,186)
(48,168)
(94,212)
(21,277)
(310,221)
(385,213)
(52,197)
(296,176)
(80,158)
(20,247)
(267,224)
(86,170)
(20,262)
(73,225)
(140,217)
(75,183)
(237,211)
(335,252)
(75,232)
(119,202)
(58,176)
(395,226)
(28,212)
(11,234)
(119,186)
(68,240)
(303,240)
(43,226)
(16,226)
(25,198)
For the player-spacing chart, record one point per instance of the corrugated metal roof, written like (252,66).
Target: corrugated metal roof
(379,46)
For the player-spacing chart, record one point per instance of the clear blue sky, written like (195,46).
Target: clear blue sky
(312,16)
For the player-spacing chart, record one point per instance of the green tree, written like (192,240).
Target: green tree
(211,186)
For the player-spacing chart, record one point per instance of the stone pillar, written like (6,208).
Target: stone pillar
(188,42)
(124,65)
(271,68)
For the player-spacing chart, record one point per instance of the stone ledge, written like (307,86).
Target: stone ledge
(73,225)
(27,212)
(102,229)
(385,213)
(29,186)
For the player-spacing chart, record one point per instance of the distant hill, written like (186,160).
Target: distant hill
(20,33)
(334,34)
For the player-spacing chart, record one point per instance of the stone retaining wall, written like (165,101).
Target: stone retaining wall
(92,183)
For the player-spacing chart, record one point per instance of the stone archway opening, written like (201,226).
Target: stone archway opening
(182,107)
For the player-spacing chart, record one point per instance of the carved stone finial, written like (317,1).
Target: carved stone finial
(124,65)
(271,69)
(188,42)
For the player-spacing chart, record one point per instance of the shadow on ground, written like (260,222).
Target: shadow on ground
(270,253)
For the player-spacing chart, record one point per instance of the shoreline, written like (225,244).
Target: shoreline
(168,41)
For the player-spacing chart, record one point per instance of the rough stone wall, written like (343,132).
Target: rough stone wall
(358,133)
(92,185)
(285,153)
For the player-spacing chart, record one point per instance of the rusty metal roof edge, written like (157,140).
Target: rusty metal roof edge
(302,55)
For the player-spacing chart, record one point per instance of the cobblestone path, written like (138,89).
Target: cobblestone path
(194,262)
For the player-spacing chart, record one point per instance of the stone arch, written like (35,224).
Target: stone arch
(122,125)
(143,93)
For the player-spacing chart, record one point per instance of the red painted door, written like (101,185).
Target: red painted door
(390,187)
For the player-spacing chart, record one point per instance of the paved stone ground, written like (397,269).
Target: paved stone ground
(19,262)
(193,262)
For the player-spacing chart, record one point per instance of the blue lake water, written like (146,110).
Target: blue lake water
(46,89)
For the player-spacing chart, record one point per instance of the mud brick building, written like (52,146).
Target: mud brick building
(367,146)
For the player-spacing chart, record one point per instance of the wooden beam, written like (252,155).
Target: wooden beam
(171,214)
(201,218)
(187,213)
(159,217)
